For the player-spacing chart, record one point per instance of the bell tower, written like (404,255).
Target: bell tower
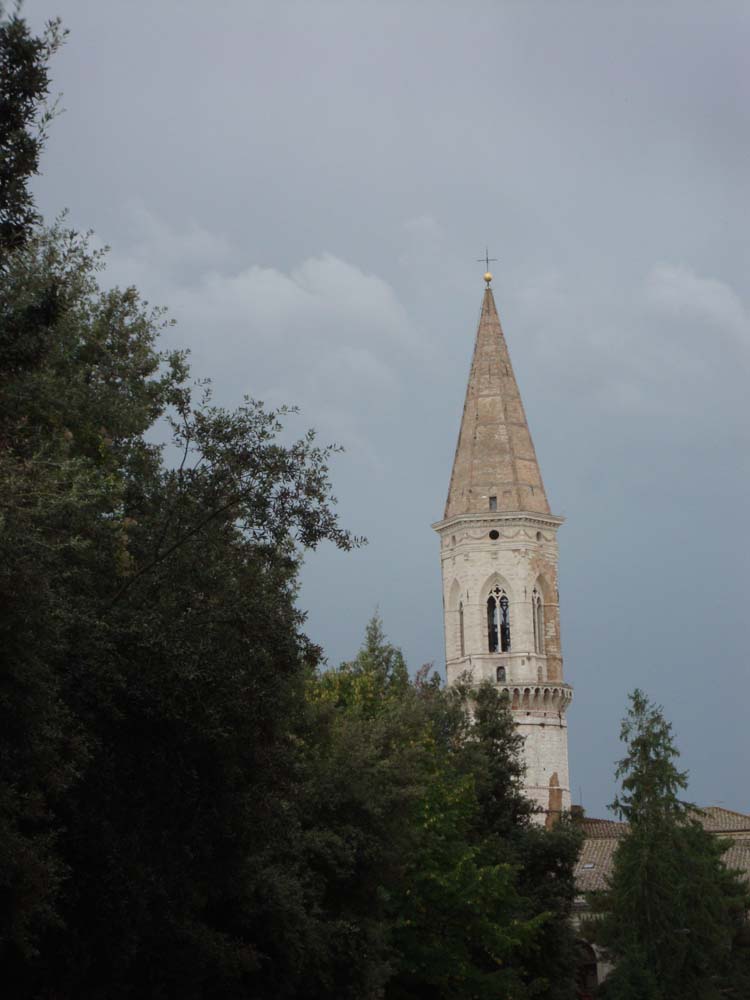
(498,544)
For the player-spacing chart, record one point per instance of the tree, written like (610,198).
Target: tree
(154,657)
(392,818)
(467,893)
(544,858)
(375,678)
(459,922)
(673,915)
(24,117)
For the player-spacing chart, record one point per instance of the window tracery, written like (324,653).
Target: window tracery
(498,621)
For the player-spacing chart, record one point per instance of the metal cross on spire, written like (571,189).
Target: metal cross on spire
(486,259)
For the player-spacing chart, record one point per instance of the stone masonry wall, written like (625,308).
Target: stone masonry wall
(523,557)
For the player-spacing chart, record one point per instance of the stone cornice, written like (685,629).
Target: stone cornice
(495,517)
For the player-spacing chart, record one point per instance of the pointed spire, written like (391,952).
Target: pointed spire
(495,455)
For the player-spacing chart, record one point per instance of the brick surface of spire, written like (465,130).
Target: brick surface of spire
(495,455)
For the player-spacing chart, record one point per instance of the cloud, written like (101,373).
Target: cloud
(425,228)
(150,250)
(679,292)
(325,336)
(653,347)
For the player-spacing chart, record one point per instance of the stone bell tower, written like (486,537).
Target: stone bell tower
(499,564)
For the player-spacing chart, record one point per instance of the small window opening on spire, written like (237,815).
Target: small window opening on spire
(493,503)
(461,628)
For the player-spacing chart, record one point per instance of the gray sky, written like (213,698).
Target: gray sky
(307,185)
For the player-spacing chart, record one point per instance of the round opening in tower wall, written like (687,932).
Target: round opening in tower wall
(494,535)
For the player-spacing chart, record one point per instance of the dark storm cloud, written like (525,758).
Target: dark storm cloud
(307,187)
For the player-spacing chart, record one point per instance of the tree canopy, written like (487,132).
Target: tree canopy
(474,897)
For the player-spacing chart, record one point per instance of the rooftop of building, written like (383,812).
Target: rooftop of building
(601,837)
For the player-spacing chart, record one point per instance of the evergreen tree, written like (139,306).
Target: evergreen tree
(673,916)
(376,678)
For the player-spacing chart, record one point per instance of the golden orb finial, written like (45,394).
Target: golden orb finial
(487,259)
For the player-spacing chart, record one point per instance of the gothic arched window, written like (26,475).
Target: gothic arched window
(498,621)
(461,627)
(537,611)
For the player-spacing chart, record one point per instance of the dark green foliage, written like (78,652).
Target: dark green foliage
(153,655)
(458,921)
(631,980)
(648,776)
(24,87)
(546,861)
(544,858)
(673,916)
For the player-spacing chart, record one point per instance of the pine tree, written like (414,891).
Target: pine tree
(672,917)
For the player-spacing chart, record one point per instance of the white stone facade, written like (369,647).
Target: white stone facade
(513,554)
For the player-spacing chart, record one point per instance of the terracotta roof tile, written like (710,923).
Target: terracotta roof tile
(594,864)
(738,856)
(602,835)
(602,828)
(719,820)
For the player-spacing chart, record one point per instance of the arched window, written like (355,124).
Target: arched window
(461,627)
(500,675)
(537,611)
(498,621)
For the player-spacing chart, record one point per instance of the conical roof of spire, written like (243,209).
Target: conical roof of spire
(495,455)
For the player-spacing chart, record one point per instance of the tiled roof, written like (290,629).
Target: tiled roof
(601,837)
(738,856)
(719,820)
(713,818)
(595,864)
(598,829)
